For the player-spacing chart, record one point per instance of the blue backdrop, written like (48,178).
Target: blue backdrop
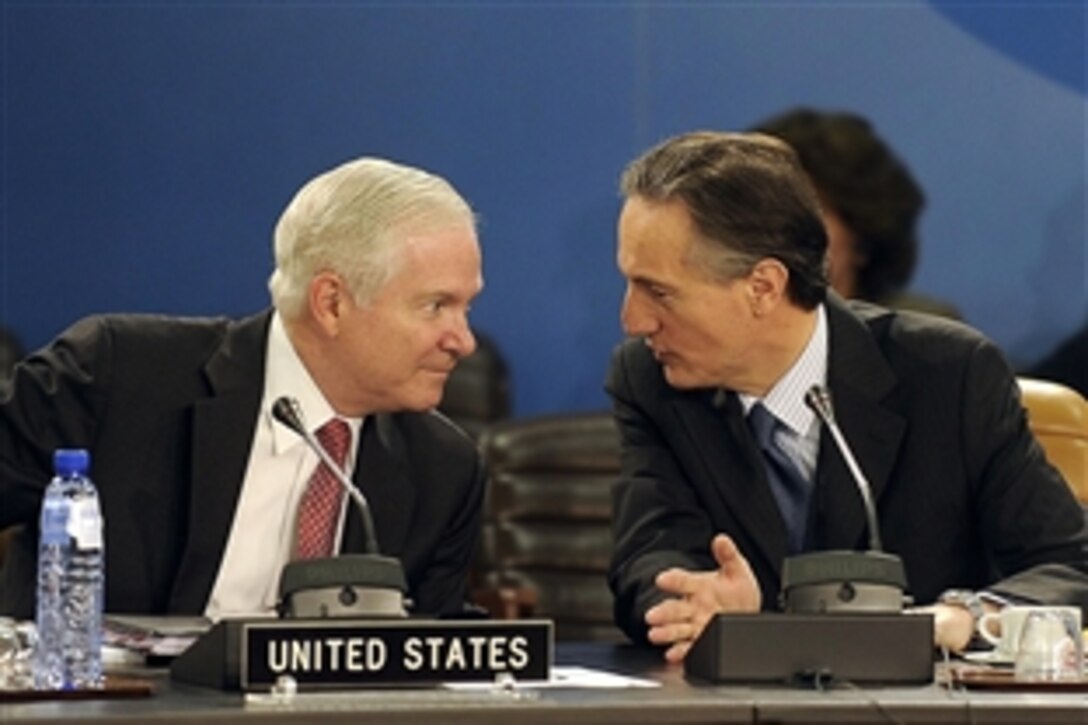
(148,147)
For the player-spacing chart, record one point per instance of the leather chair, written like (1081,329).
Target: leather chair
(547,534)
(477,392)
(1058,416)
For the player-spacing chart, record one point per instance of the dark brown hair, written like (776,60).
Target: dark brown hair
(749,199)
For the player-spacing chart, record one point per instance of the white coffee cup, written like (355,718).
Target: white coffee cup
(1008,623)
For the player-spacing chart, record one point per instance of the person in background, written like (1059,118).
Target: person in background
(11,351)
(726,471)
(203,491)
(870,202)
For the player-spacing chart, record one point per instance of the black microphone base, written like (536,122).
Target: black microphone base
(843,582)
(348,585)
(802,648)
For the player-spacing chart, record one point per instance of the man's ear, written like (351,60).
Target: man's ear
(327,297)
(766,285)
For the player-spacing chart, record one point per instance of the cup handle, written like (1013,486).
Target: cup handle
(984,627)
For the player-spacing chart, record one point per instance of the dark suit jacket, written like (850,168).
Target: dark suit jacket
(964,493)
(167,408)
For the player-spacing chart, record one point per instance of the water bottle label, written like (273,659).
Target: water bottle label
(54,529)
(85,525)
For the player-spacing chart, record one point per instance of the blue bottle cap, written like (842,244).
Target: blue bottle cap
(67,461)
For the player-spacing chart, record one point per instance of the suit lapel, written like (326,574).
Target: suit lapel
(720,436)
(382,474)
(222,433)
(860,381)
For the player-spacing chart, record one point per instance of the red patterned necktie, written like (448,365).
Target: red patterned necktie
(319,509)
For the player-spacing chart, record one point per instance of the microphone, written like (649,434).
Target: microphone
(287,411)
(348,585)
(844,581)
(836,604)
(819,400)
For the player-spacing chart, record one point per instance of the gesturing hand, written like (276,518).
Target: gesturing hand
(699,596)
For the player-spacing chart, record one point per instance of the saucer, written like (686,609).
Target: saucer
(990,657)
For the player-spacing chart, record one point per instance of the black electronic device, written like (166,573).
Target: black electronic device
(806,649)
(843,615)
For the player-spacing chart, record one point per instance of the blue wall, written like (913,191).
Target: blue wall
(149,147)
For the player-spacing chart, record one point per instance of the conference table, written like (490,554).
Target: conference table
(671,699)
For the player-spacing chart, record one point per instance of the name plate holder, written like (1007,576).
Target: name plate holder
(251,654)
(806,648)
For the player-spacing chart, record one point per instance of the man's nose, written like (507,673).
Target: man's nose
(461,342)
(634,317)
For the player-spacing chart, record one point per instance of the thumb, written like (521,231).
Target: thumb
(725,552)
(739,589)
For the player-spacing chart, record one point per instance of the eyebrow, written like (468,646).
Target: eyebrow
(650,282)
(445,295)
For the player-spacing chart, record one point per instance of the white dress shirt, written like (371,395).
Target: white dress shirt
(262,536)
(799,436)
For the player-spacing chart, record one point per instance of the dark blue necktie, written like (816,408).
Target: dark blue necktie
(790,487)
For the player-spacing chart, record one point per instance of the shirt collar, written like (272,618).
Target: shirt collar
(285,374)
(786,398)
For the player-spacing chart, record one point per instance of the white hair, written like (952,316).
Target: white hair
(350,220)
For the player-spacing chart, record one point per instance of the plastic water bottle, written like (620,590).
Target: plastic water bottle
(70,579)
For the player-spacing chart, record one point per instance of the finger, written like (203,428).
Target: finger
(671,633)
(676,581)
(677,652)
(670,610)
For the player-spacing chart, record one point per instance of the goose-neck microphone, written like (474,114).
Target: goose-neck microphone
(819,400)
(349,585)
(287,411)
(829,597)
(844,581)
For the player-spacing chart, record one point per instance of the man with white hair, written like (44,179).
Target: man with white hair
(204,494)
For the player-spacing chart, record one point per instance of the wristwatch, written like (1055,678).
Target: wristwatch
(965,598)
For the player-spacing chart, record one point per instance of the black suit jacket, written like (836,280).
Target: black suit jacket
(167,407)
(964,492)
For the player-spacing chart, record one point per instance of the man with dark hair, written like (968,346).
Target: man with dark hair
(870,201)
(726,471)
(11,351)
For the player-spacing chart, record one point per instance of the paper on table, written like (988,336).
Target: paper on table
(160,626)
(568,676)
(156,636)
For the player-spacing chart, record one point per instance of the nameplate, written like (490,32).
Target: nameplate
(251,654)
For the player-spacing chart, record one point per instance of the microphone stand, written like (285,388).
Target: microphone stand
(868,638)
(348,585)
(844,582)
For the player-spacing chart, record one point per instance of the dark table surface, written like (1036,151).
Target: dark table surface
(674,700)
